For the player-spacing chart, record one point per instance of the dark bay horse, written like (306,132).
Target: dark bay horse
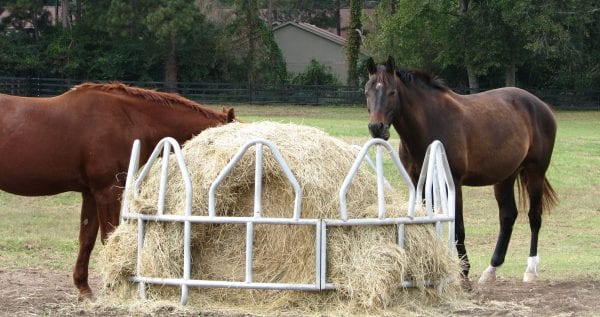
(491,138)
(81,141)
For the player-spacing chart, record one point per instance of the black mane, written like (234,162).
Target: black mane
(418,76)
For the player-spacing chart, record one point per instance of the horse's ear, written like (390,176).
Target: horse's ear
(230,115)
(371,66)
(390,65)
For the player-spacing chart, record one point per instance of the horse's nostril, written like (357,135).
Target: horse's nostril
(374,127)
(377,130)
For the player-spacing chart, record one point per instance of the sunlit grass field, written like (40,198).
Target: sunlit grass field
(41,232)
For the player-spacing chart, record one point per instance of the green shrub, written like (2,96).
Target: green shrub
(316,73)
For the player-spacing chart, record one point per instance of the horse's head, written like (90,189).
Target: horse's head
(382,97)
(230,115)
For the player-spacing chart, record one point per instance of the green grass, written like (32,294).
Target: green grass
(41,232)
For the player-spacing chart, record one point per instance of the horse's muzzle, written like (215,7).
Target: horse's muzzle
(379,130)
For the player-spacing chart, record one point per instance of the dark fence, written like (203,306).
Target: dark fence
(559,98)
(205,92)
(273,94)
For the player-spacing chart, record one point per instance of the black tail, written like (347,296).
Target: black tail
(549,196)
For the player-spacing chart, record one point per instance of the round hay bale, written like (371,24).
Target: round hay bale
(364,262)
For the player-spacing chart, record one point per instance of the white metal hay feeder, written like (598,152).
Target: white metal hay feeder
(435,182)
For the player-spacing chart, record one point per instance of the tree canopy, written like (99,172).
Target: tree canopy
(542,43)
(167,40)
(470,43)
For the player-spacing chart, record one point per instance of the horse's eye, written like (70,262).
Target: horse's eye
(392,93)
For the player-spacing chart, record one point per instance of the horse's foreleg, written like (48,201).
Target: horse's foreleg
(535,188)
(507,206)
(88,231)
(459,234)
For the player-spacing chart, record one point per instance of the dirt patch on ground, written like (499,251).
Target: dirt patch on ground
(41,292)
(544,298)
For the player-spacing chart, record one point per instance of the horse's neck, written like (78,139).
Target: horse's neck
(181,122)
(411,126)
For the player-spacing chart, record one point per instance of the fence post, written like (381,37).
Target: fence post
(29,87)
(251,90)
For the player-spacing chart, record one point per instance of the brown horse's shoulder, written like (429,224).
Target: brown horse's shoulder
(453,102)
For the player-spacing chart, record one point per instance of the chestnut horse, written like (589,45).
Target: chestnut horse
(491,138)
(81,141)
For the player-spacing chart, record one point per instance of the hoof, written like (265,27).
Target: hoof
(465,284)
(530,277)
(86,295)
(488,276)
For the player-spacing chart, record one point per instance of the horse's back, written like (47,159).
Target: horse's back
(82,139)
(502,129)
(536,113)
(45,142)
(509,106)
(34,141)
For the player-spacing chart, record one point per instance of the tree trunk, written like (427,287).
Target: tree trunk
(473,81)
(251,27)
(353,48)
(510,74)
(171,64)
(471,74)
(77,10)
(65,13)
(464,5)
(131,23)
(392,7)
(270,14)
(338,18)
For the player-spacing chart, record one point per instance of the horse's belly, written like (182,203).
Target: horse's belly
(479,180)
(36,187)
(492,171)
(37,178)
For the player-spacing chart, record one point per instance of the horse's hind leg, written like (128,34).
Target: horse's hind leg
(108,206)
(535,188)
(505,197)
(88,231)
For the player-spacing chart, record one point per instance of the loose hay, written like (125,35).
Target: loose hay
(364,262)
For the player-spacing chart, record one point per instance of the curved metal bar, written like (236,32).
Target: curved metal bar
(353,170)
(369,160)
(236,158)
(134,162)
(451,203)
(181,164)
(437,179)
(165,146)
